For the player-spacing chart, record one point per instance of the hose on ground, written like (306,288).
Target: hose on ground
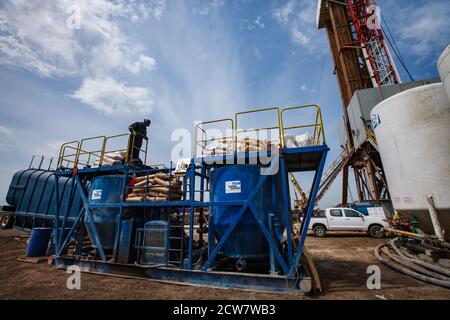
(419,262)
(412,266)
(398,267)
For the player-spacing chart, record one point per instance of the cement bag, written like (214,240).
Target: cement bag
(114,156)
(304,140)
(210,148)
(290,142)
(134,199)
(111,162)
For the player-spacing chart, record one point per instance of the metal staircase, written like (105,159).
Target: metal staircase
(332,172)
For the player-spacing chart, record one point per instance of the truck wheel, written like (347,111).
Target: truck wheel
(6,221)
(320,231)
(376,231)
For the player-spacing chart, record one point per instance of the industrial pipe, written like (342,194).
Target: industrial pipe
(434,217)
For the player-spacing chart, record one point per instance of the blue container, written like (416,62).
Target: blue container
(104,190)
(232,183)
(33,191)
(38,243)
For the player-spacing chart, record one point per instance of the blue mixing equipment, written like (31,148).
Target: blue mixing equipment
(104,190)
(234,183)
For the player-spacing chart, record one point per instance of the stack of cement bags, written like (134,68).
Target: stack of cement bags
(111,159)
(249,144)
(225,146)
(299,141)
(219,147)
(156,187)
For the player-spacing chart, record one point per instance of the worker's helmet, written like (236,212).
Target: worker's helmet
(147,122)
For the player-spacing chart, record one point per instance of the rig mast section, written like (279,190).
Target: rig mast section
(370,36)
(361,61)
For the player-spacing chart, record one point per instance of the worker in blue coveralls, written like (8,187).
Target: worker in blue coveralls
(139,132)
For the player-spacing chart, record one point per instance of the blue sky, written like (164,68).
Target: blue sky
(176,62)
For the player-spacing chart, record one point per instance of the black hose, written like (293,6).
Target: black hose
(406,271)
(407,263)
(418,261)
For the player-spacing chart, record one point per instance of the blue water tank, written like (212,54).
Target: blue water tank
(105,190)
(32,191)
(236,182)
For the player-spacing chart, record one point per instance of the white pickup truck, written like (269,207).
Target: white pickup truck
(345,219)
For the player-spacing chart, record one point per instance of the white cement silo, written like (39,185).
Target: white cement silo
(444,69)
(413,134)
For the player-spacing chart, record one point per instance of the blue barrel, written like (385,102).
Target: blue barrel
(236,182)
(104,190)
(38,243)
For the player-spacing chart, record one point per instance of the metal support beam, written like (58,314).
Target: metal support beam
(309,211)
(91,221)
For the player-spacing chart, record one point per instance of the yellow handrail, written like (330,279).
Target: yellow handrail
(319,133)
(103,142)
(200,125)
(256,129)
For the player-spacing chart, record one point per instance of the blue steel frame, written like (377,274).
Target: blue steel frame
(290,264)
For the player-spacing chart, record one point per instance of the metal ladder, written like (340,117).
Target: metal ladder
(176,243)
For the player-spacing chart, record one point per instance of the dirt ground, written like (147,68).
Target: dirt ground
(341,259)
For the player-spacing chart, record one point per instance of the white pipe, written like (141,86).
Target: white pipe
(434,217)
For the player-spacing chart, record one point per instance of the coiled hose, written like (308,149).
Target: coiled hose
(407,270)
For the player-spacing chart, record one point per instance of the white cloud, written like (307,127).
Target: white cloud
(299,37)
(257,53)
(258,22)
(204,8)
(284,13)
(5,135)
(298,19)
(111,97)
(424,29)
(303,87)
(34,36)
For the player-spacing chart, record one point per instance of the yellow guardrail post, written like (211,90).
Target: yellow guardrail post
(206,140)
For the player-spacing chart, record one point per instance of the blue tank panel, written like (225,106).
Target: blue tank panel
(104,190)
(33,191)
(237,183)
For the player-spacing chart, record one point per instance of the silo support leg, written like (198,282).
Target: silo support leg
(311,202)
(269,239)
(91,218)
(69,234)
